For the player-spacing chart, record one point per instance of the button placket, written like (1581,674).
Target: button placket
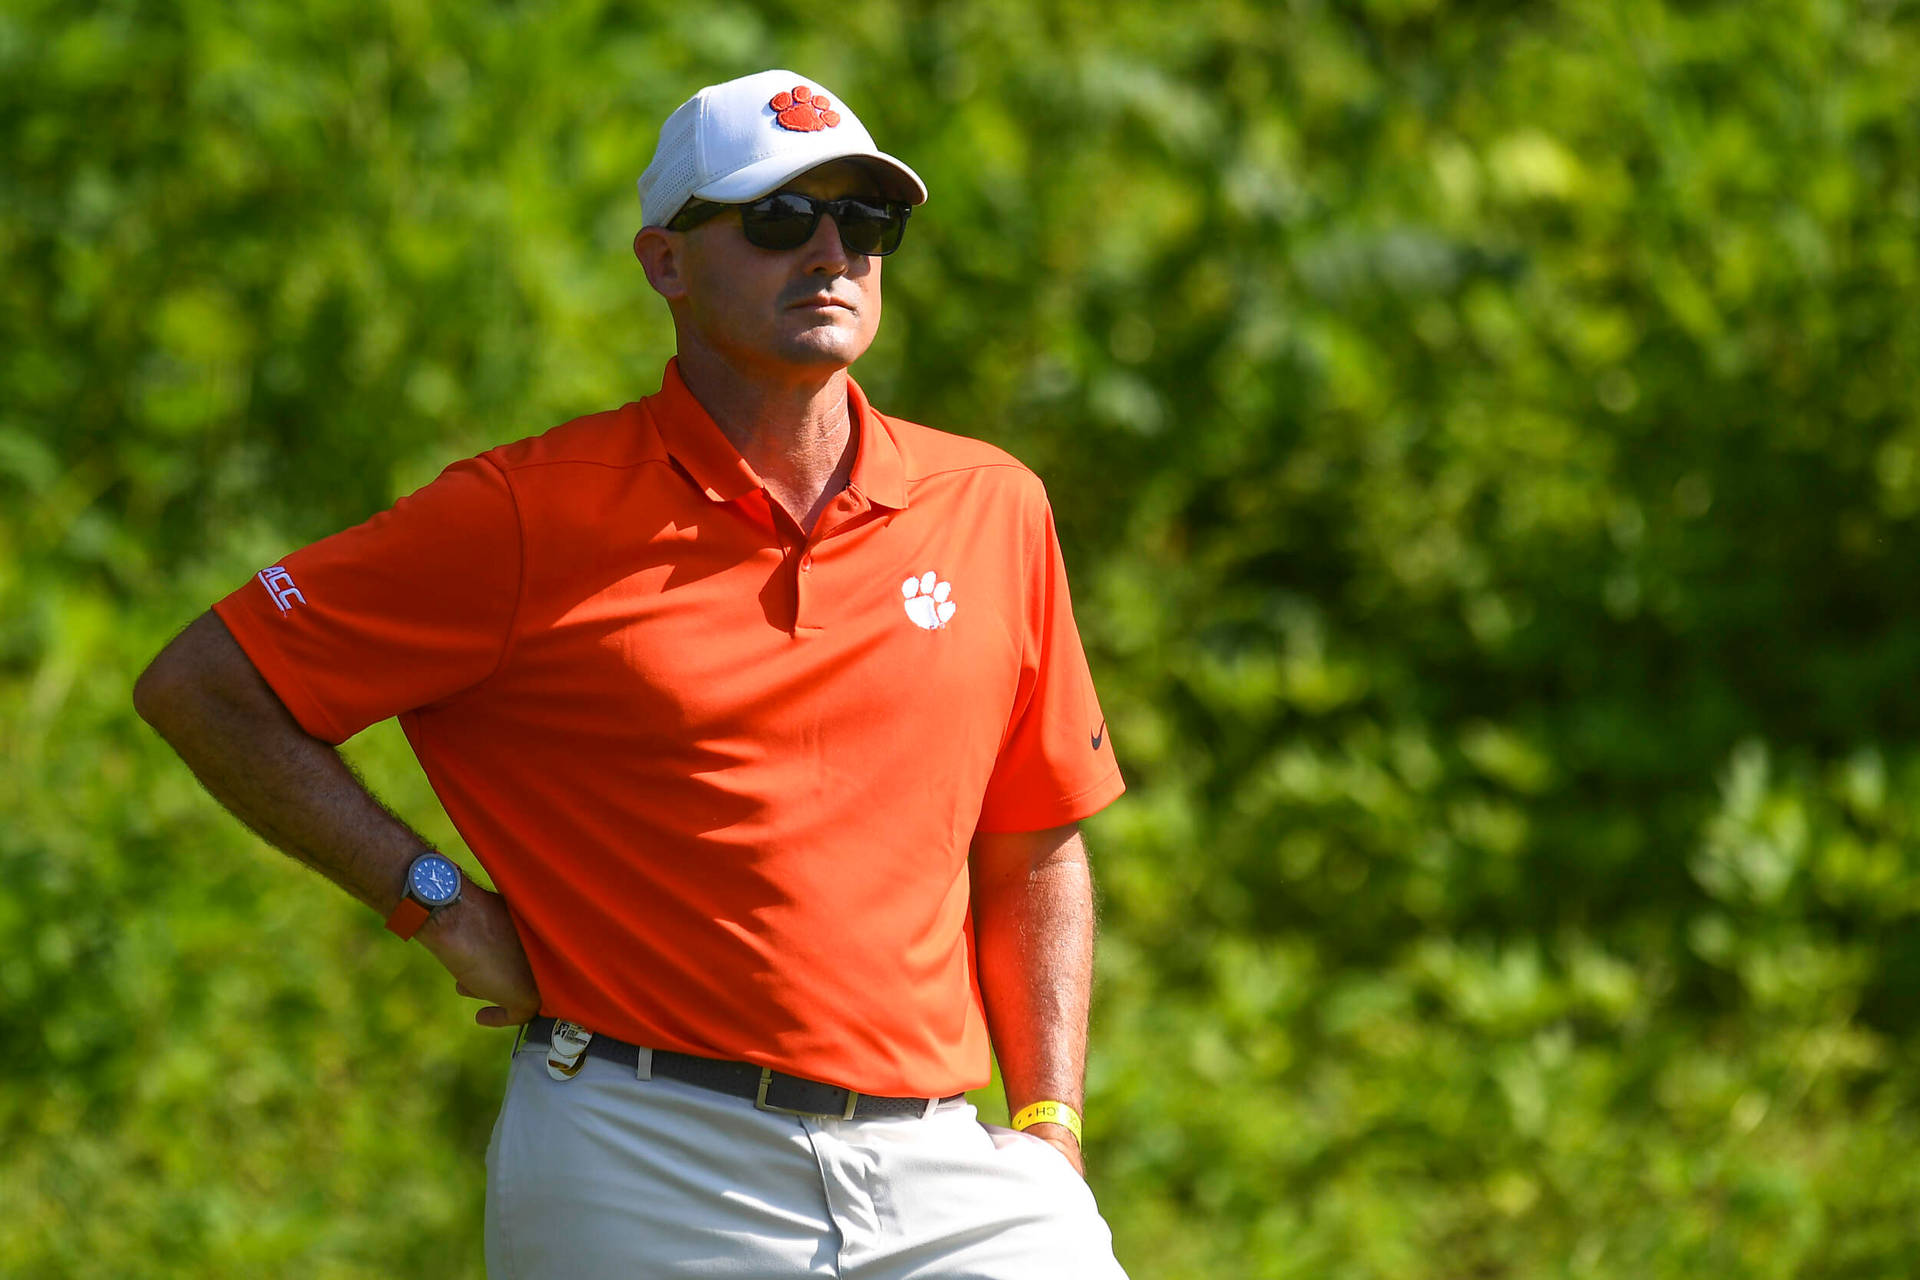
(839,515)
(802,597)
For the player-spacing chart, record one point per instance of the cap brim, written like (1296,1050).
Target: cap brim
(774,172)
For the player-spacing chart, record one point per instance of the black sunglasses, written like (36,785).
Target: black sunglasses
(787,220)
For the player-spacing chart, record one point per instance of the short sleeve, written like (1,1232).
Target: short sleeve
(1057,764)
(410,608)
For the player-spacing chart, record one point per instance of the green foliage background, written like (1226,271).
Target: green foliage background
(1485,441)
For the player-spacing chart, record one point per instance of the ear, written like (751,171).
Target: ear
(662,257)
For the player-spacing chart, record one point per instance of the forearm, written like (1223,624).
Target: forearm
(210,704)
(294,790)
(1033,918)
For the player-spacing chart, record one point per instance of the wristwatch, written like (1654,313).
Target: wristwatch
(433,882)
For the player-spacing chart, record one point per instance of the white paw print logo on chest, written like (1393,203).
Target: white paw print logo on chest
(925,600)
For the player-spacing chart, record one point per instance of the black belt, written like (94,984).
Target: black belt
(769,1090)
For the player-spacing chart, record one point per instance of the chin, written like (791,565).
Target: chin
(817,348)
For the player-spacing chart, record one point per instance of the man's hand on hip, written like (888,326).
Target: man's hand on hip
(206,698)
(476,942)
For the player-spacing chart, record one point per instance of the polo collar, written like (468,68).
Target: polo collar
(879,473)
(696,442)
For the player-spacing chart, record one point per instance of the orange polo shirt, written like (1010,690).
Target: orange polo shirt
(725,776)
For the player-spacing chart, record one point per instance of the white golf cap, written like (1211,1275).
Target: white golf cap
(735,142)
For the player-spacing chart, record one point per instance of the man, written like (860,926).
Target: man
(767,716)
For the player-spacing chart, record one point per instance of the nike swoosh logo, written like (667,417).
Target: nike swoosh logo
(1101,736)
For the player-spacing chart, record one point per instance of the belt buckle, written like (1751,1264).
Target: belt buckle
(761,1104)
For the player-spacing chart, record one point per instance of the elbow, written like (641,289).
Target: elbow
(201,678)
(176,681)
(157,690)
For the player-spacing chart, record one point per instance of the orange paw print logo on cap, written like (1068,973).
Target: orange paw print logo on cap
(803,110)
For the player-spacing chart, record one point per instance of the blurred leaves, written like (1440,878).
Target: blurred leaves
(1485,442)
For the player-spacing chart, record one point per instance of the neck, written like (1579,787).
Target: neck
(796,434)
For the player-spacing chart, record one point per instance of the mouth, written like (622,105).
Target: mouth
(820,302)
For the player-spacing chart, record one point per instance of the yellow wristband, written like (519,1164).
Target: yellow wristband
(1049,1112)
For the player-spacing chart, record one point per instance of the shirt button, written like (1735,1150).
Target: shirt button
(806,564)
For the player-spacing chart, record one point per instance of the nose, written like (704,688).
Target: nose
(825,252)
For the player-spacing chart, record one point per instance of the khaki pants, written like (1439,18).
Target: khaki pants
(608,1175)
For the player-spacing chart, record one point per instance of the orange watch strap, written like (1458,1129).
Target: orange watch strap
(407,918)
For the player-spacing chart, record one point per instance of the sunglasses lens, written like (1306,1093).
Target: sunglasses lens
(866,227)
(780,221)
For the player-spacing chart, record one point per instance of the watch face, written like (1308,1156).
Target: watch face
(434,880)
